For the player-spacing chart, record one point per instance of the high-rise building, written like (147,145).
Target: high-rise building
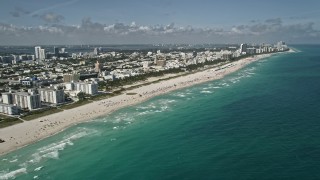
(96,51)
(56,51)
(24,100)
(42,55)
(281,46)
(88,88)
(160,60)
(7,98)
(251,50)
(243,48)
(98,67)
(16,59)
(9,109)
(37,52)
(51,95)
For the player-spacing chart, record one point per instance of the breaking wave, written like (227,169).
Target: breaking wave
(12,174)
(51,151)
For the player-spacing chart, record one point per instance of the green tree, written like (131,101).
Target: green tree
(81,96)
(102,84)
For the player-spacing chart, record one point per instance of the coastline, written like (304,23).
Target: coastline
(26,133)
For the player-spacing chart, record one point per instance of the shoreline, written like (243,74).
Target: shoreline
(29,132)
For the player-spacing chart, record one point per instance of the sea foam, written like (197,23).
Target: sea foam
(38,168)
(12,161)
(12,174)
(51,151)
(206,92)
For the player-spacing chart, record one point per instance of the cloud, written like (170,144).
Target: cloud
(276,21)
(50,17)
(90,32)
(15,14)
(274,26)
(18,12)
(88,26)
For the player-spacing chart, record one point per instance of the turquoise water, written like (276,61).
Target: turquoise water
(262,122)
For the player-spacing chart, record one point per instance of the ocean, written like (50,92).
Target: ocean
(261,122)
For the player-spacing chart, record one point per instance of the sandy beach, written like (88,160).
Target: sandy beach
(28,132)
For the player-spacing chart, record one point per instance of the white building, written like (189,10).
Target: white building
(109,77)
(9,109)
(51,95)
(251,50)
(37,52)
(42,54)
(6,98)
(243,48)
(69,86)
(224,54)
(88,88)
(146,64)
(24,100)
(281,46)
(98,67)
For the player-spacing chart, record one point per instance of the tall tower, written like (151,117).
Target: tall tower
(243,48)
(56,51)
(42,54)
(96,51)
(37,51)
(98,67)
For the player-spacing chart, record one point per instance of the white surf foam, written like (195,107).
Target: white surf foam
(166,101)
(52,155)
(206,92)
(142,107)
(143,113)
(181,95)
(38,168)
(224,84)
(12,161)
(165,104)
(163,108)
(124,117)
(12,174)
(51,151)
(158,111)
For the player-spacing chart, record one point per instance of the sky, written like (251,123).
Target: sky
(62,22)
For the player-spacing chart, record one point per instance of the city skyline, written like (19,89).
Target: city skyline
(147,22)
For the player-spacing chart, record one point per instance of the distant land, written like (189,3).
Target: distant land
(110,47)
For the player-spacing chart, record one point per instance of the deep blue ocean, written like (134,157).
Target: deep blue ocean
(261,122)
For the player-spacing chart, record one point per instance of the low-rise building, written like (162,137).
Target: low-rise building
(71,77)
